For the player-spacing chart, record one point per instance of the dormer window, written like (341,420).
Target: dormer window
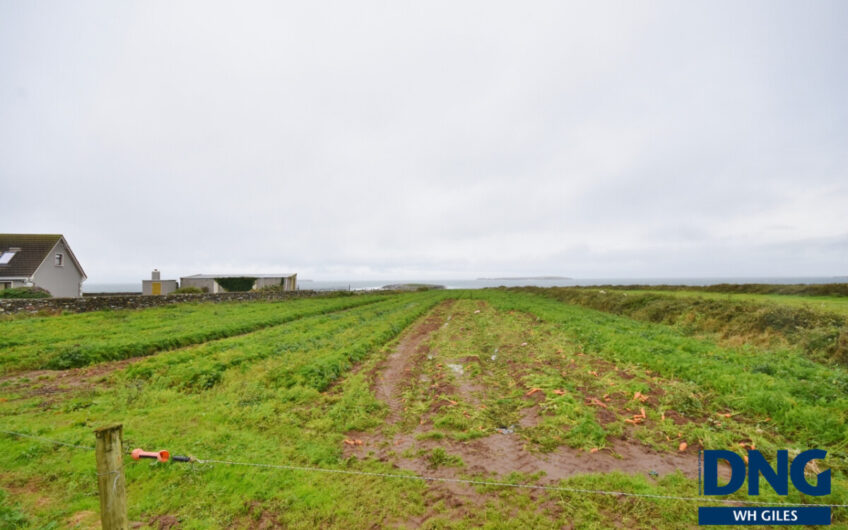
(6,256)
(59,259)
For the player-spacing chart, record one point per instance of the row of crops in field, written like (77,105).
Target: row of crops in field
(317,349)
(82,339)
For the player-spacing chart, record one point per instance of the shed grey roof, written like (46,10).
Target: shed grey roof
(33,249)
(213,276)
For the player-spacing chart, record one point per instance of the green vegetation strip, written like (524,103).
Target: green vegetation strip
(807,400)
(69,341)
(800,289)
(821,335)
(24,292)
(821,304)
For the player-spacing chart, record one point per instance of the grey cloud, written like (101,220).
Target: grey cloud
(339,140)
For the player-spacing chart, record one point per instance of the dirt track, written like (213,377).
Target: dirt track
(394,371)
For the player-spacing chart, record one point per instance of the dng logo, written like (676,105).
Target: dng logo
(777,477)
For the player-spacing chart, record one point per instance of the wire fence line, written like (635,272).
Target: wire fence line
(504,484)
(470,482)
(48,440)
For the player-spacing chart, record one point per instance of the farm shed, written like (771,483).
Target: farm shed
(40,260)
(222,283)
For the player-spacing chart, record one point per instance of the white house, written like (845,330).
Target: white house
(40,260)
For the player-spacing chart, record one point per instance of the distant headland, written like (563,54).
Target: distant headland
(529,278)
(412,287)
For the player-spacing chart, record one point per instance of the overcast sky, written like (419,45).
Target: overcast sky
(406,140)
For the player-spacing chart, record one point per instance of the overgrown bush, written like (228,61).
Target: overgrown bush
(237,284)
(25,292)
(189,290)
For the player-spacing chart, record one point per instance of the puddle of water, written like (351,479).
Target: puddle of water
(457,369)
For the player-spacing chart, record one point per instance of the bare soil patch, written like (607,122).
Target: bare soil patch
(499,454)
(31,490)
(84,519)
(395,369)
(48,383)
(165,522)
(260,518)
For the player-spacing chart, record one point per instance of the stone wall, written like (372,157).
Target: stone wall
(136,301)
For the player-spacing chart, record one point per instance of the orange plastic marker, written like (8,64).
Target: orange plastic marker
(161,456)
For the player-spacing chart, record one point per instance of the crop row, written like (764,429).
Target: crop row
(68,341)
(804,400)
(317,349)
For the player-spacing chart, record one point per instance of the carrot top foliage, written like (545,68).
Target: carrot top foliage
(82,339)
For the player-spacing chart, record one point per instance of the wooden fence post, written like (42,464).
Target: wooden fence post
(110,477)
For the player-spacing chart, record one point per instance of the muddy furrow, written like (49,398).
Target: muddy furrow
(393,373)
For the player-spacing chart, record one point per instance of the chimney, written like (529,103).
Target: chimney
(155,275)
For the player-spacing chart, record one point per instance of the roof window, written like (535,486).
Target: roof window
(6,257)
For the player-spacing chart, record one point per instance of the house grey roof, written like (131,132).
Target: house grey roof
(247,275)
(33,249)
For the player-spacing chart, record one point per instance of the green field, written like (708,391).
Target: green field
(835,304)
(514,387)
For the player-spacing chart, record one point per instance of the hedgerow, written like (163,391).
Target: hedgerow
(822,335)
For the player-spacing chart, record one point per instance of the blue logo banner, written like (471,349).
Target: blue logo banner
(782,515)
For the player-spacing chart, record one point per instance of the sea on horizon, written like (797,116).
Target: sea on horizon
(358,285)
